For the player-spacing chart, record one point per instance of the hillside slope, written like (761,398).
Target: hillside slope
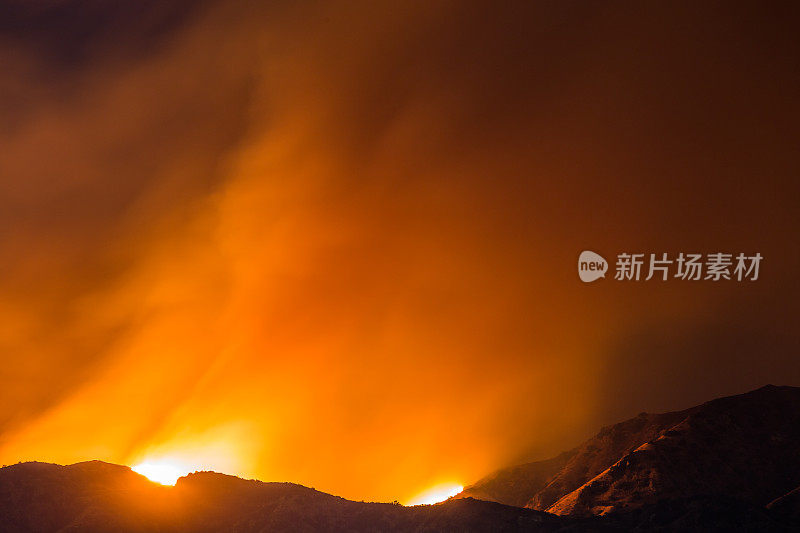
(745,447)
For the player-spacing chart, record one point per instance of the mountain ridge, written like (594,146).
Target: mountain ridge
(730,464)
(665,455)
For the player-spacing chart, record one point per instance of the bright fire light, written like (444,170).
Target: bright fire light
(165,472)
(437,494)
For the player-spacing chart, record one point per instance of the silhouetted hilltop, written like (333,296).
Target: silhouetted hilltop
(745,447)
(99,497)
(89,496)
(731,464)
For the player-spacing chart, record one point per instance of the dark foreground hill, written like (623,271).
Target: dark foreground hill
(727,465)
(101,497)
(742,448)
(96,497)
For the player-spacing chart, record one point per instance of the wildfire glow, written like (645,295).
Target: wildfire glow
(437,494)
(164,471)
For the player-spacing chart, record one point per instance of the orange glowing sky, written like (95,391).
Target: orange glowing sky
(334,243)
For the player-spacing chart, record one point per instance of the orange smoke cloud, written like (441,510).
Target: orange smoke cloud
(335,246)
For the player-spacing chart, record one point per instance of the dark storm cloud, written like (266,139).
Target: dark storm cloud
(70,33)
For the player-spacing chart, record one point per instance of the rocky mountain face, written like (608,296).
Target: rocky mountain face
(744,447)
(540,484)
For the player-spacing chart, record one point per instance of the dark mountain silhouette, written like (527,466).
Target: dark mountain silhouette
(97,497)
(699,514)
(211,499)
(744,447)
(728,465)
(90,496)
(101,497)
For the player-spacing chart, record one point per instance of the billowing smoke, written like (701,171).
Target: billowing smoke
(335,243)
